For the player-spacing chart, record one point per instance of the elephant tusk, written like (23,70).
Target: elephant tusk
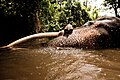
(39,35)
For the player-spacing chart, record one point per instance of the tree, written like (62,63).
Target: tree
(24,17)
(55,14)
(113,4)
(92,10)
(18,19)
(27,10)
(118,3)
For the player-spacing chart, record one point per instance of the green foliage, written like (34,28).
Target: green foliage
(56,14)
(49,15)
(6,8)
(25,10)
(94,13)
(53,14)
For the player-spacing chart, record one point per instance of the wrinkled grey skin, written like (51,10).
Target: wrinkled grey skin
(100,33)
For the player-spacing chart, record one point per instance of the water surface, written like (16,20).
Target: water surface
(45,63)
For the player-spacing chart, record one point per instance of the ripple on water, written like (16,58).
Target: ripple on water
(60,64)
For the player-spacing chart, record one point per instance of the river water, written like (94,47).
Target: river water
(45,63)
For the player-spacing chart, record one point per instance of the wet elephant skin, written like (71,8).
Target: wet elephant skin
(103,32)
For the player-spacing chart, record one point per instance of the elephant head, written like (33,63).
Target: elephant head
(102,33)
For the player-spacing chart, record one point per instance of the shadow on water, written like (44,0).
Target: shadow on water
(44,63)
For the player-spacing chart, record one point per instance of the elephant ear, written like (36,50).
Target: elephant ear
(68,30)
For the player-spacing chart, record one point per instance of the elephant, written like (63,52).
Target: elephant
(104,32)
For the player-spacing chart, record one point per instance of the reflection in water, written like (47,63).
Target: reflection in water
(45,63)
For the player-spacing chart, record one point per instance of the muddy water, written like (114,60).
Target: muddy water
(44,63)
